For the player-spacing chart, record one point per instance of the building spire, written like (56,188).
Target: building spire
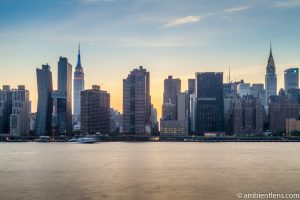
(270,47)
(78,58)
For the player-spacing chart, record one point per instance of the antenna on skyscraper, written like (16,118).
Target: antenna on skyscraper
(229,76)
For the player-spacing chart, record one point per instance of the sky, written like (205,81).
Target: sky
(170,37)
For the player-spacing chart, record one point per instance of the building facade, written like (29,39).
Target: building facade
(247,116)
(45,101)
(19,118)
(63,98)
(5,109)
(137,102)
(281,109)
(209,102)
(243,89)
(78,87)
(172,87)
(95,111)
(291,79)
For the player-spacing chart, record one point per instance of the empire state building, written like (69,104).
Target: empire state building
(78,86)
(271,77)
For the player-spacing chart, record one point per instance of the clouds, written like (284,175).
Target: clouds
(287,3)
(236,9)
(182,21)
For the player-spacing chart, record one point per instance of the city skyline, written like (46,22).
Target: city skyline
(188,38)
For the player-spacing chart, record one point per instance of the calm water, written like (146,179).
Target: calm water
(146,170)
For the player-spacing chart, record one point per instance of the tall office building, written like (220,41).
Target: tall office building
(209,102)
(270,78)
(137,102)
(78,86)
(95,111)
(281,109)
(45,101)
(63,98)
(247,116)
(178,126)
(291,79)
(19,118)
(172,87)
(5,109)
(257,90)
(191,86)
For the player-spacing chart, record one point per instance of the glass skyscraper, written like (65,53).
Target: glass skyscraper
(291,79)
(45,101)
(63,98)
(209,102)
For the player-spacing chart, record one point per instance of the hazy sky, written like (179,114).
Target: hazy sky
(167,37)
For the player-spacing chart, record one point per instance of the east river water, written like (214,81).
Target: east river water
(137,171)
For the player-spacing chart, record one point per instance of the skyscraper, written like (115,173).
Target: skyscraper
(172,87)
(5,109)
(291,79)
(78,86)
(95,111)
(247,116)
(191,86)
(137,102)
(63,97)
(209,102)
(45,101)
(281,109)
(271,77)
(19,118)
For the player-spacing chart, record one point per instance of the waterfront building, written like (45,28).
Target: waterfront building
(5,109)
(280,109)
(78,87)
(209,102)
(270,78)
(291,79)
(191,91)
(247,116)
(115,121)
(32,123)
(192,109)
(154,121)
(19,118)
(173,128)
(137,102)
(63,98)
(95,111)
(292,125)
(179,126)
(45,101)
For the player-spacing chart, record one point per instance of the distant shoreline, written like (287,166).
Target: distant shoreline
(125,138)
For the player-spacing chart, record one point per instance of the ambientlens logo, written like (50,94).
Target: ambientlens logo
(269,195)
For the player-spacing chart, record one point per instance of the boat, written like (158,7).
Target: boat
(43,139)
(87,139)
